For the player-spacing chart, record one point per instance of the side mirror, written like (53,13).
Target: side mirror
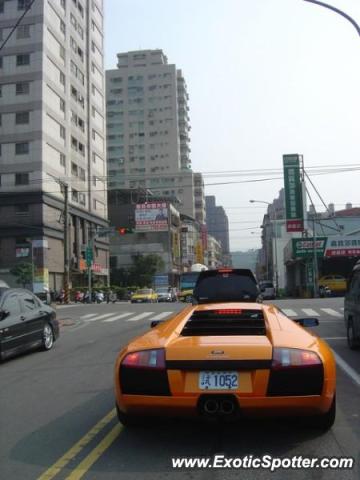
(4,314)
(307,322)
(155,323)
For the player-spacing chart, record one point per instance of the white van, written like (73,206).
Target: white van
(267,290)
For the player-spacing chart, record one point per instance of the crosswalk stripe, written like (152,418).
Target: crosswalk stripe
(332,312)
(139,317)
(162,315)
(117,317)
(89,315)
(101,317)
(289,312)
(310,312)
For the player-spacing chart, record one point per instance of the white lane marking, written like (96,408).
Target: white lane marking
(289,313)
(310,312)
(89,315)
(347,369)
(139,317)
(161,315)
(117,317)
(332,312)
(333,338)
(100,317)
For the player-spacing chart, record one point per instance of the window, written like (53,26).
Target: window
(23,4)
(29,302)
(74,195)
(2,6)
(22,149)
(62,132)
(11,303)
(62,27)
(23,31)
(21,178)
(22,118)
(62,105)
(62,78)
(22,209)
(62,52)
(62,160)
(23,59)
(22,88)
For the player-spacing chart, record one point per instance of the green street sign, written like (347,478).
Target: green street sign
(293,194)
(309,274)
(304,247)
(89,256)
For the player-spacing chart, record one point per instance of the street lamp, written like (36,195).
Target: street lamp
(275,243)
(338,11)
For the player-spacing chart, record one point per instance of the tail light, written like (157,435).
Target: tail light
(144,373)
(295,372)
(292,357)
(154,359)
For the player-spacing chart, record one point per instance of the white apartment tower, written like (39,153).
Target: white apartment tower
(148,127)
(52,130)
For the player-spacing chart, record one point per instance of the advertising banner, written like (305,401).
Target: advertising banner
(293,194)
(151,217)
(340,246)
(304,247)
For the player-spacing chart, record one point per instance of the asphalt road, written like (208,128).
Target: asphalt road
(57,418)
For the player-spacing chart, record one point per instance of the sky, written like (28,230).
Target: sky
(265,78)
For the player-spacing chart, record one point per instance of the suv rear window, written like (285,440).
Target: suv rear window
(226,285)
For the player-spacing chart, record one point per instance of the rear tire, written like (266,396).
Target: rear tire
(131,420)
(353,341)
(326,420)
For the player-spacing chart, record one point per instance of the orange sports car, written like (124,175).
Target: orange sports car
(227,357)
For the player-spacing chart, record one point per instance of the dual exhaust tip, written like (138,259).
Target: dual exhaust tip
(213,406)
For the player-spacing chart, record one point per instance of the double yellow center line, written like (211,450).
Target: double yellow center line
(92,457)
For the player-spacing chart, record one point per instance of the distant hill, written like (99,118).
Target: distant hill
(245,259)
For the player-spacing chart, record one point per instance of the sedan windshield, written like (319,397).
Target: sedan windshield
(145,291)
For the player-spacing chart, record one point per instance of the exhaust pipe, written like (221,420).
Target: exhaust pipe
(227,407)
(211,406)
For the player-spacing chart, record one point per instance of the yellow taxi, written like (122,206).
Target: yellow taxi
(144,295)
(336,283)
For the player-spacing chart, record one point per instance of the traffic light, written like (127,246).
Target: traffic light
(124,230)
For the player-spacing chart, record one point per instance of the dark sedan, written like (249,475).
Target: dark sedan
(25,323)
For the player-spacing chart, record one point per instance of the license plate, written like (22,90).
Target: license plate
(218,380)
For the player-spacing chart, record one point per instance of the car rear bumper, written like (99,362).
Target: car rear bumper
(188,405)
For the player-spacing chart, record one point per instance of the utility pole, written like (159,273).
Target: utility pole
(315,262)
(65,189)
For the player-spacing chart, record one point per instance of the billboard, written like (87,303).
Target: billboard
(340,246)
(304,247)
(293,194)
(151,217)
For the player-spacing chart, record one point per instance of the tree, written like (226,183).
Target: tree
(23,272)
(144,268)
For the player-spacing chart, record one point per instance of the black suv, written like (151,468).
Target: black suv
(352,308)
(226,285)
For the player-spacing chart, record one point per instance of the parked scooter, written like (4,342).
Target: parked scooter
(324,291)
(99,297)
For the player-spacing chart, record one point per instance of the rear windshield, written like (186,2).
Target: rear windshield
(233,286)
(266,285)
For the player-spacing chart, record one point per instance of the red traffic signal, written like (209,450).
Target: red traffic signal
(124,230)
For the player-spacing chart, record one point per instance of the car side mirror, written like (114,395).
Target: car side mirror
(155,323)
(307,322)
(4,314)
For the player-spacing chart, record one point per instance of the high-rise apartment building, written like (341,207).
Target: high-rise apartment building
(148,127)
(52,131)
(218,226)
